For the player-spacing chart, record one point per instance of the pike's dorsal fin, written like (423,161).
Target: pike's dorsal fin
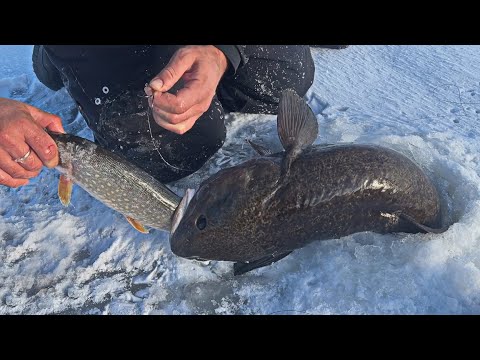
(297,127)
(65,185)
(136,224)
(260,149)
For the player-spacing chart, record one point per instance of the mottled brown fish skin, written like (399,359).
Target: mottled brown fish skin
(116,182)
(332,191)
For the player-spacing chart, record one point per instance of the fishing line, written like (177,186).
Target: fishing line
(153,140)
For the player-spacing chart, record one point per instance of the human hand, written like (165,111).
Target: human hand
(200,68)
(21,131)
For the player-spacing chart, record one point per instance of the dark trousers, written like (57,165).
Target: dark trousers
(107,84)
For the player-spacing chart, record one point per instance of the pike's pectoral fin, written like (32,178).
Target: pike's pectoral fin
(65,185)
(425,228)
(240,268)
(136,225)
(260,149)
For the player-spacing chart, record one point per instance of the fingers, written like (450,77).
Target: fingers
(32,163)
(22,133)
(180,62)
(192,94)
(46,120)
(39,140)
(200,68)
(43,145)
(178,124)
(13,169)
(174,104)
(181,128)
(28,135)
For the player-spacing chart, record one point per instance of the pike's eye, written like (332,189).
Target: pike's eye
(201,222)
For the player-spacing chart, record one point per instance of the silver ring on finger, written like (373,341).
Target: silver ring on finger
(23,158)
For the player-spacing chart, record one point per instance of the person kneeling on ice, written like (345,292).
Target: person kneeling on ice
(161,107)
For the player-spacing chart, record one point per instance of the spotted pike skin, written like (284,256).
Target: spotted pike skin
(116,182)
(332,191)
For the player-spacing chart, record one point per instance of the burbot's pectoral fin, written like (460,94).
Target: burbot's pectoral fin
(260,149)
(240,268)
(425,228)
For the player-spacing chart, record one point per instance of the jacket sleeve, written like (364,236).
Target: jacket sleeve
(235,55)
(45,71)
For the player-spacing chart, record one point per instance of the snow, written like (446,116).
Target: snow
(421,100)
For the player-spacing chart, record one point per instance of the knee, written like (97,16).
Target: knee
(280,67)
(296,71)
(45,71)
(270,70)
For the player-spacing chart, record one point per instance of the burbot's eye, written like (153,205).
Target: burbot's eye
(201,222)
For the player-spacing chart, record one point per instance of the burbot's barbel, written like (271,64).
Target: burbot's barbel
(259,211)
(113,180)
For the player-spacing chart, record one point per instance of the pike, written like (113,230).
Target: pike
(113,180)
(258,212)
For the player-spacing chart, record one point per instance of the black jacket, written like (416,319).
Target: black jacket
(98,77)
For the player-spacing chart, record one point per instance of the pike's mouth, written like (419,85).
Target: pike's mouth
(181,209)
